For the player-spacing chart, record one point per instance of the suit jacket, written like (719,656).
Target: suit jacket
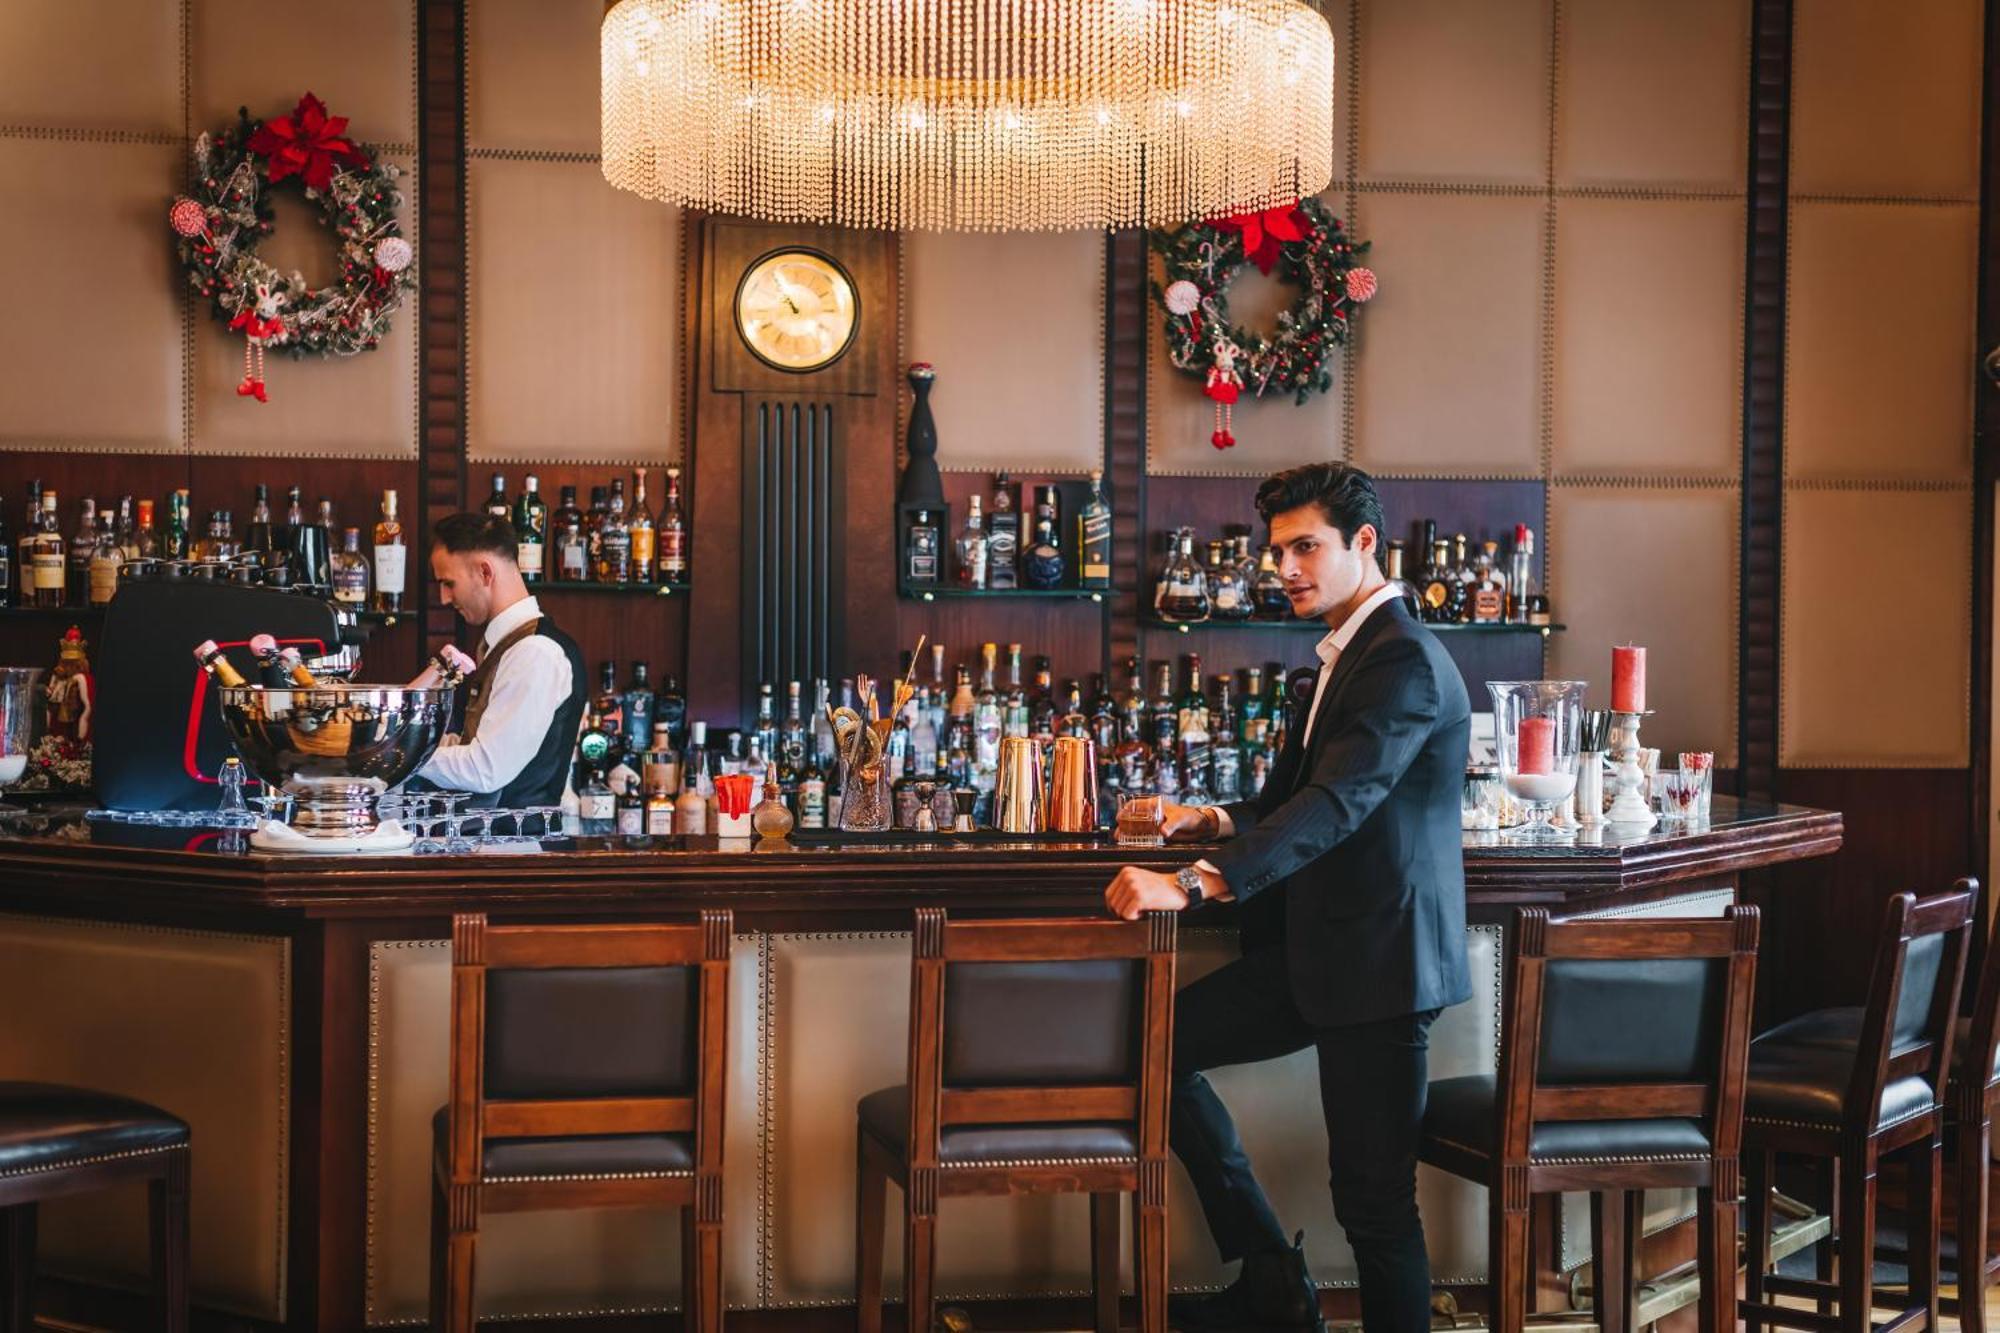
(1351,855)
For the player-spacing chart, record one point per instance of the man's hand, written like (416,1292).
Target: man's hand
(1134,891)
(1188,823)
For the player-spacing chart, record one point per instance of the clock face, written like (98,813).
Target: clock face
(796,310)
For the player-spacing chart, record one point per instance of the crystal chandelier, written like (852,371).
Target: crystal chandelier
(969,115)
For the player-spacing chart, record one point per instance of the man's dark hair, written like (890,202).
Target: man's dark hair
(1346,495)
(488,534)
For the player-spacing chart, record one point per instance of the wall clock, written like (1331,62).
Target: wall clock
(796,310)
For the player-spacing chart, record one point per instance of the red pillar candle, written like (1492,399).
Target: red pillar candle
(1538,745)
(1628,680)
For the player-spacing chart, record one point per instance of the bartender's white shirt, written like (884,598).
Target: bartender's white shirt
(528,686)
(1329,648)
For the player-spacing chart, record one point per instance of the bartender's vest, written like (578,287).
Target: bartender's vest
(546,776)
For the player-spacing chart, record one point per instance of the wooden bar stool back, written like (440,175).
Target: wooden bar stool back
(1621,1070)
(587,1071)
(1851,1086)
(1974,1089)
(1038,1064)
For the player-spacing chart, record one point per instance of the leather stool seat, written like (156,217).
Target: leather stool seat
(1460,1114)
(47,1126)
(579,1155)
(1800,1072)
(885,1114)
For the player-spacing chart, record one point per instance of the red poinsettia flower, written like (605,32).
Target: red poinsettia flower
(306,143)
(1263,231)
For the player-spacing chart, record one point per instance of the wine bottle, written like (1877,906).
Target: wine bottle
(391,558)
(671,537)
(531,531)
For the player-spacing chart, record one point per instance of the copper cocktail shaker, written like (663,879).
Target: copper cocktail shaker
(1073,785)
(1017,792)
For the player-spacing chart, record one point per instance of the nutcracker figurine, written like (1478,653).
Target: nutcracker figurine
(71,691)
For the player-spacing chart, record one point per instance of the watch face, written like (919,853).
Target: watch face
(796,310)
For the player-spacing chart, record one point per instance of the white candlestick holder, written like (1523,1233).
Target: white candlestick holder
(1628,804)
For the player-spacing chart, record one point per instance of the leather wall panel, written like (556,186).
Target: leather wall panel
(1448,376)
(1877,377)
(114,65)
(361,59)
(531,75)
(135,1010)
(1653,566)
(1885,98)
(1874,662)
(1014,324)
(1651,95)
(99,366)
(533,1263)
(1455,91)
(554,250)
(1648,353)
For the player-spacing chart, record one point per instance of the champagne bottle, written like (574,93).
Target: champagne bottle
(295,669)
(212,661)
(448,666)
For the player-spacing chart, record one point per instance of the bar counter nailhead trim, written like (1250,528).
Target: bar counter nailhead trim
(71,1163)
(587,1175)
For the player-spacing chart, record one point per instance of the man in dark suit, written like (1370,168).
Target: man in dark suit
(1350,892)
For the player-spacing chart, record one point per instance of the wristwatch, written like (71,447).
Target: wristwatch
(1189,880)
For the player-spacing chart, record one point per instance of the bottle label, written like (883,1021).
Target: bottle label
(1096,546)
(597,805)
(660,818)
(350,584)
(642,547)
(528,555)
(103,581)
(49,572)
(812,804)
(1487,604)
(391,565)
(575,562)
(673,550)
(632,819)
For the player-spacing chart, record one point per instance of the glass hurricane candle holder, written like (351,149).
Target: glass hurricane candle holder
(1537,727)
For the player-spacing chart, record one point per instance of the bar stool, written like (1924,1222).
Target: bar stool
(1038,1064)
(587,1067)
(1853,1086)
(57,1140)
(1583,1103)
(1975,1049)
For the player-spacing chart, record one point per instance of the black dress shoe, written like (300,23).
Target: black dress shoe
(1272,1294)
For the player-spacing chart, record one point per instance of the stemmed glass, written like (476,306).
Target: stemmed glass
(1537,726)
(552,817)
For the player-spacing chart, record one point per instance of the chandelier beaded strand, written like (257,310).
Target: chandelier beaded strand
(968,115)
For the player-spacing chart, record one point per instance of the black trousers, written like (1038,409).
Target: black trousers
(1372,1082)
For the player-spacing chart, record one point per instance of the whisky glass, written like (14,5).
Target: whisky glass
(1139,820)
(1537,727)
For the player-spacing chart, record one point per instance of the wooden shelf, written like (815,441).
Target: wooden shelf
(654,589)
(1002,594)
(1319,626)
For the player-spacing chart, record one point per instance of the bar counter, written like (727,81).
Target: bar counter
(293,1009)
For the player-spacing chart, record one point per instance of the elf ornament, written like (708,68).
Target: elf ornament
(1225,386)
(261,325)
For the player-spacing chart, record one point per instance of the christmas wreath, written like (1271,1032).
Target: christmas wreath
(1305,244)
(229,212)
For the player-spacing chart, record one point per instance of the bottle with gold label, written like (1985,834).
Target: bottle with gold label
(1093,537)
(642,533)
(47,557)
(391,557)
(102,577)
(1488,600)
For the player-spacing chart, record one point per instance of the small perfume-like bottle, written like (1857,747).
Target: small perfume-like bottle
(772,818)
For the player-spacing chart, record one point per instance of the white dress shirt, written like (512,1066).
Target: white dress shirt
(527,687)
(1329,649)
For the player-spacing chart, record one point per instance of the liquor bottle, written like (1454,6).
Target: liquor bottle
(1521,589)
(81,544)
(924,736)
(765,735)
(1103,713)
(7,594)
(972,547)
(1462,569)
(1193,738)
(1238,551)
(257,536)
(145,540)
(593,523)
(1003,537)
(270,662)
(1042,567)
(24,548)
(1014,703)
(812,794)
(596,806)
(640,709)
(824,749)
(691,809)
(1225,754)
(609,706)
(572,543)
(629,810)
(645,547)
(531,531)
(290,537)
(348,572)
(496,500)
(670,710)
(920,550)
(101,578)
(1093,537)
(1487,601)
(987,722)
(1042,703)
(672,534)
(316,546)
(658,780)
(215,664)
(1393,567)
(1164,710)
(1228,594)
(614,540)
(391,558)
(207,547)
(294,669)
(791,754)
(47,561)
(1185,601)
(1073,721)
(1439,592)
(128,532)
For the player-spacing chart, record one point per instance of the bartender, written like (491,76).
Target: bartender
(516,720)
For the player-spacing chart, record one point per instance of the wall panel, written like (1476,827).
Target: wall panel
(360,59)
(1455,91)
(534,75)
(111,67)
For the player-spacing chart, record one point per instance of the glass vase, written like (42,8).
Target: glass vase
(1537,727)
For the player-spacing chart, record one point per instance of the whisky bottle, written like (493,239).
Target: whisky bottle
(593,525)
(791,754)
(640,708)
(218,666)
(1044,561)
(1488,599)
(1463,571)
(572,543)
(391,558)
(531,531)
(349,572)
(645,568)
(988,722)
(290,535)
(1185,601)
(1093,537)
(102,576)
(672,535)
(920,553)
(24,548)
(128,532)
(6,561)
(80,547)
(1439,592)
(614,540)
(1014,703)
(1228,595)
(496,501)
(145,540)
(1003,537)
(46,557)
(972,548)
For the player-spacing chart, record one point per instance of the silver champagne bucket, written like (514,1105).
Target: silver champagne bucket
(335,750)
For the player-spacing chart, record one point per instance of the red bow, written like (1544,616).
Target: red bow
(1263,231)
(306,143)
